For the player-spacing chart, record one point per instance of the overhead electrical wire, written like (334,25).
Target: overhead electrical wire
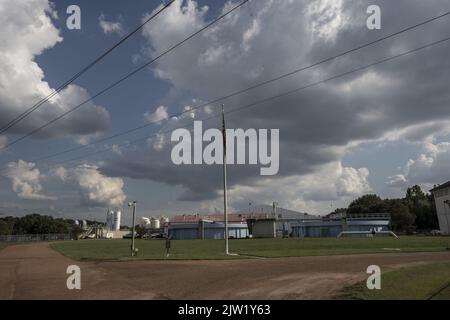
(286,93)
(123,78)
(30,110)
(260,84)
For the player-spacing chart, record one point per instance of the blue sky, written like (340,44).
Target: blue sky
(377,131)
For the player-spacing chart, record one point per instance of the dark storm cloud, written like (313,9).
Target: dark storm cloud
(317,124)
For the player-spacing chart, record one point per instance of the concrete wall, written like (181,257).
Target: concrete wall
(264,229)
(118,234)
(443,210)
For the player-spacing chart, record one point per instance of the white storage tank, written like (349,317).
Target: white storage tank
(155,223)
(145,222)
(110,220)
(164,221)
(117,217)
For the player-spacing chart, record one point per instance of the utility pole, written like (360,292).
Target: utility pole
(133,204)
(274,208)
(225,180)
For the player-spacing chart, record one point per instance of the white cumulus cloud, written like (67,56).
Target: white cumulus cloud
(158,115)
(95,189)
(430,167)
(25,179)
(110,27)
(27,31)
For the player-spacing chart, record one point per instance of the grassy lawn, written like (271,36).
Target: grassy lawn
(212,249)
(421,282)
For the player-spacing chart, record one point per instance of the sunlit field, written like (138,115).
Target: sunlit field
(246,248)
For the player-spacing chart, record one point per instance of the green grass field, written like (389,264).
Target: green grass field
(212,249)
(421,282)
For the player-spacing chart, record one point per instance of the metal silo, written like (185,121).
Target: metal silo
(155,223)
(164,221)
(117,217)
(145,222)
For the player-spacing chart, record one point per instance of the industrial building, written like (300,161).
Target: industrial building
(207,230)
(279,223)
(441,194)
(110,230)
(355,225)
(189,227)
(304,225)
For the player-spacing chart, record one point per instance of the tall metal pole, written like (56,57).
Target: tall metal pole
(133,232)
(225,181)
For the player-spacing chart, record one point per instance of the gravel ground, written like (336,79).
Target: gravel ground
(35,271)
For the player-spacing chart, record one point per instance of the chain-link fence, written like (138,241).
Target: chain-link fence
(35,237)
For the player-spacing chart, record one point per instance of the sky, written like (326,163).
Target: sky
(378,130)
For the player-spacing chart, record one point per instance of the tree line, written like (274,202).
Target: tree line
(416,211)
(36,224)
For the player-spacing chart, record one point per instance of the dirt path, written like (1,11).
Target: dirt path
(35,271)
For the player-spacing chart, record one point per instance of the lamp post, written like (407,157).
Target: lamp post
(133,204)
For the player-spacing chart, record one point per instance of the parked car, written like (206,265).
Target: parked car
(158,235)
(130,235)
(435,232)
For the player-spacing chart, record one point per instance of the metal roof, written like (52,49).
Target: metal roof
(441,186)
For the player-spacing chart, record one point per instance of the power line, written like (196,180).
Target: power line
(286,93)
(260,84)
(24,114)
(123,78)
(341,75)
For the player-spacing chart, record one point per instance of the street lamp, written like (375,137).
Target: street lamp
(133,204)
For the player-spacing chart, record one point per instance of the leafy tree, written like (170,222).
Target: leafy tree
(141,231)
(340,210)
(33,224)
(415,211)
(369,203)
(401,218)
(423,207)
(415,194)
(5,227)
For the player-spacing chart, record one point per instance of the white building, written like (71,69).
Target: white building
(441,195)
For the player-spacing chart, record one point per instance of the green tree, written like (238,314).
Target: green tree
(369,203)
(415,194)
(422,206)
(401,218)
(141,231)
(5,227)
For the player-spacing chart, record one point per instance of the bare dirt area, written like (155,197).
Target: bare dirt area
(35,271)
